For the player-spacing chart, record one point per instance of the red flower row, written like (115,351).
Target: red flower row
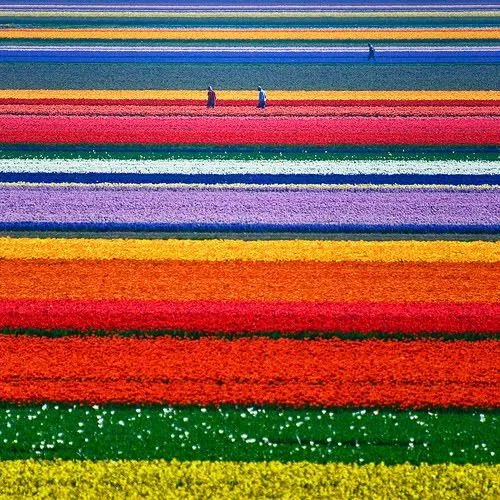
(251,371)
(251,103)
(237,316)
(248,130)
(277,110)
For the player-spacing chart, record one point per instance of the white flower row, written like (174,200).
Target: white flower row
(250,166)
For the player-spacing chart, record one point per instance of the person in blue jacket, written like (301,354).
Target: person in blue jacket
(262,98)
(371,52)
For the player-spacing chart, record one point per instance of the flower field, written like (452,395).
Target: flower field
(300,301)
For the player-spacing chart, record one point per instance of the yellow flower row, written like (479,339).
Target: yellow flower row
(253,34)
(264,251)
(322,95)
(237,480)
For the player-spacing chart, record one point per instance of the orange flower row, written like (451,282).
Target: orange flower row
(251,371)
(265,281)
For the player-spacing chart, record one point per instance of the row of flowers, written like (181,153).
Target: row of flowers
(192,319)
(236,480)
(265,281)
(255,154)
(225,250)
(290,281)
(247,108)
(333,372)
(138,96)
(248,130)
(129,99)
(324,34)
(229,55)
(287,206)
(74,431)
(235,318)
(387,166)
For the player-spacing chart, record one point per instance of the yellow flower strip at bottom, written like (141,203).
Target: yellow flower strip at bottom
(237,480)
(261,251)
(275,95)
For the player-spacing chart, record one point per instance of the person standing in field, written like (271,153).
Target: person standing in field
(262,98)
(371,52)
(212,98)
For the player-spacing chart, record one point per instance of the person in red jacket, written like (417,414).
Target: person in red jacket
(212,98)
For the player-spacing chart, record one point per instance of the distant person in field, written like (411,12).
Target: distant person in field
(212,98)
(371,52)
(262,98)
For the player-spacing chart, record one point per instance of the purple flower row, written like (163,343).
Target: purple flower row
(242,206)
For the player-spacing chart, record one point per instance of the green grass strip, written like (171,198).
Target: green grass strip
(253,236)
(99,432)
(285,76)
(213,153)
(221,21)
(185,334)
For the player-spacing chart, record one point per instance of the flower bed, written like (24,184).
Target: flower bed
(297,373)
(247,130)
(247,281)
(247,108)
(258,208)
(300,301)
(235,480)
(239,433)
(187,318)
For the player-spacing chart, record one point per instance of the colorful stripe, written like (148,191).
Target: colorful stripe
(273,479)
(224,168)
(253,251)
(171,152)
(297,301)
(275,95)
(254,55)
(144,13)
(208,371)
(242,281)
(245,108)
(192,319)
(138,432)
(242,107)
(248,130)
(249,172)
(353,77)
(252,34)
(281,208)
(253,186)
(253,181)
